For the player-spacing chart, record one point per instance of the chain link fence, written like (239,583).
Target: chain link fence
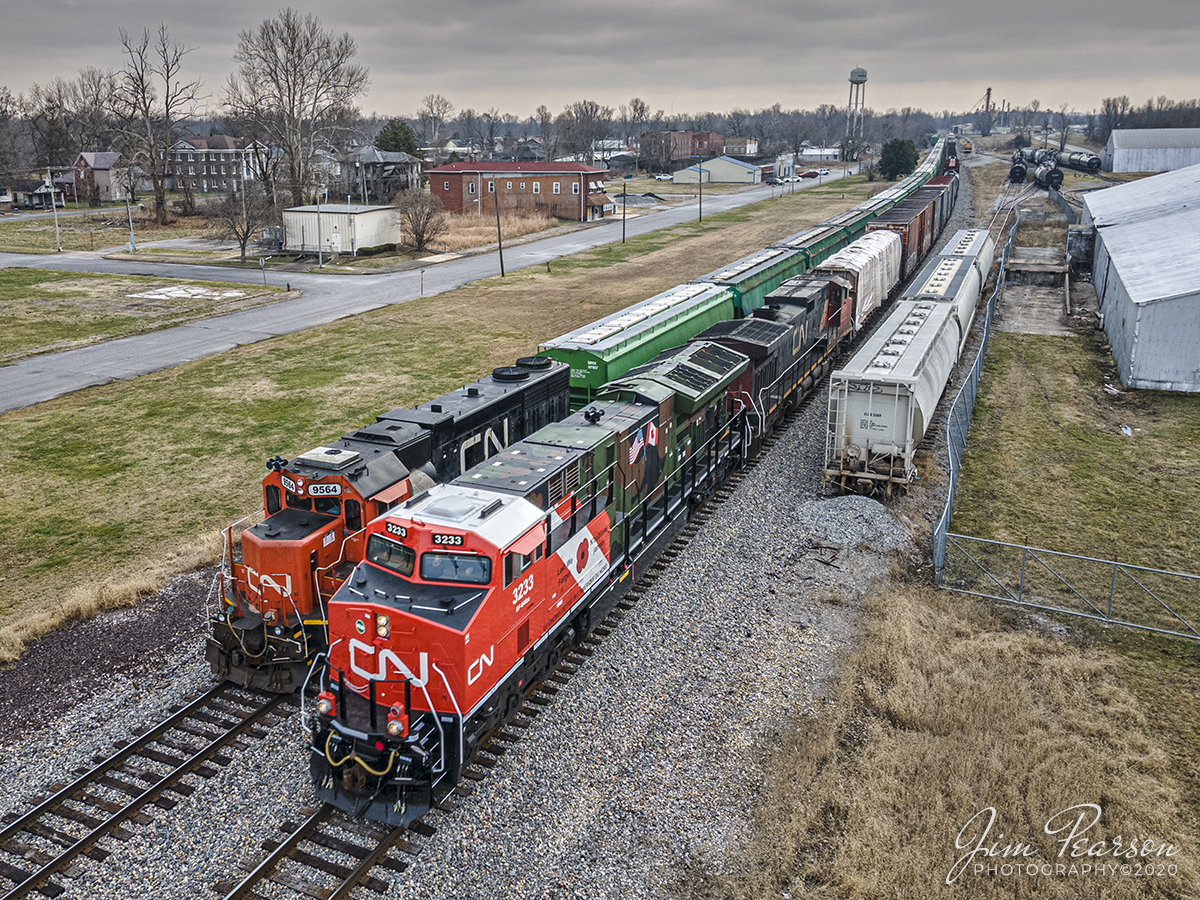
(958,421)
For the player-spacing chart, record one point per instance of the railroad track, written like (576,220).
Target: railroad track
(147,771)
(330,854)
(325,857)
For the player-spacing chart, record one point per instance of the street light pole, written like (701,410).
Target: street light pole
(53,206)
(320,258)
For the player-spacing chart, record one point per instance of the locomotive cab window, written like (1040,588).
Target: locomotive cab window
(515,564)
(353,515)
(295,501)
(330,506)
(456,567)
(391,555)
(274,501)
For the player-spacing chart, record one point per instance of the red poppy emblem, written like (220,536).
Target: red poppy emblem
(581,556)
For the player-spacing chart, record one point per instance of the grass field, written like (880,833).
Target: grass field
(94,231)
(948,708)
(110,490)
(43,311)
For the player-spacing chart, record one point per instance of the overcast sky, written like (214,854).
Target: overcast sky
(677,55)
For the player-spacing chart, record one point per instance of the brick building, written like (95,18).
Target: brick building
(560,189)
(214,162)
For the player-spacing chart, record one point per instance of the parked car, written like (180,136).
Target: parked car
(772,180)
(822,171)
(788,179)
(811,173)
(662,176)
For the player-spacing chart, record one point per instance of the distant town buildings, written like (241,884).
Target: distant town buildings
(565,190)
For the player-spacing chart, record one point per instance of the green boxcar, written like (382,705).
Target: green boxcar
(817,244)
(607,349)
(752,277)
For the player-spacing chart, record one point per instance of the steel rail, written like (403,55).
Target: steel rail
(83,844)
(280,853)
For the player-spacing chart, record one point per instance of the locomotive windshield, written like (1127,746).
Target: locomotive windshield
(390,555)
(456,567)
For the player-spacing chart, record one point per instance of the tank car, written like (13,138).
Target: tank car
(1049,177)
(470,592)
(271,621)
(1082,162)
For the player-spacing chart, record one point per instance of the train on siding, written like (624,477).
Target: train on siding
(881,400)
(1048,162)
(470,592)
(272,619)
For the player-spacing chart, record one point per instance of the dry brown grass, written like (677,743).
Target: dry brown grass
(943,712)
(469,230)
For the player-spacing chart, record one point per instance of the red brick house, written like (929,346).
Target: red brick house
(565,190)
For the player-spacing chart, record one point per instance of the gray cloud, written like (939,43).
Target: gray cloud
(680,55)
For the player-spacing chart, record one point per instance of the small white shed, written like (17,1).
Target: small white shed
(340,228)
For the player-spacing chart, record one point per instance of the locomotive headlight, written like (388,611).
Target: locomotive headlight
(383,625)
(395,728)
(325,703)
(397,725)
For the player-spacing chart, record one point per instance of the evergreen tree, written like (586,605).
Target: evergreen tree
(397,136)
(898,158)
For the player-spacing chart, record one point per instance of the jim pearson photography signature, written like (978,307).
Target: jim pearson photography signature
(1096,855)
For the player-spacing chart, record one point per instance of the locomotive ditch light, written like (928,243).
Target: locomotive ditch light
(326,705)
(383,625)
(397,725)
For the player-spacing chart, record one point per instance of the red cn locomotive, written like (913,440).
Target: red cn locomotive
(471,591)
(272,622)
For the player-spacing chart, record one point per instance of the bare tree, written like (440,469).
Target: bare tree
(489,127)
(1113,111)
(240,215)
(421,214)
(297,83)
(736,120)
(151,98)
(435,110)
(1062,118)
(581,125)
(545,124)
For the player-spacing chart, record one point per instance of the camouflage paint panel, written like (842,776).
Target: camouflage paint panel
(538,472)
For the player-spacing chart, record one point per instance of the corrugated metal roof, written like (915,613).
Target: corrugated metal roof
(1155,138)
(1148,198)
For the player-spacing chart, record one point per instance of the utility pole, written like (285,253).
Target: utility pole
(54,206)
(499,242)
(623,192)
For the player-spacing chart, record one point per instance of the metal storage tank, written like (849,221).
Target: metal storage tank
(881,401)
(601,351)
(1146,271)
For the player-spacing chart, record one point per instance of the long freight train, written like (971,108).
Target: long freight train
(471,592)
(272,621)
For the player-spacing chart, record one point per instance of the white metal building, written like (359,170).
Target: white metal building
(342,228)
(721,170)
(1151,149)
(1146,271)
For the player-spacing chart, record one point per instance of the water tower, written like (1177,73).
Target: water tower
(854,115)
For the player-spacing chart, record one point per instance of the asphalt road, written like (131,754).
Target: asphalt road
(324,298)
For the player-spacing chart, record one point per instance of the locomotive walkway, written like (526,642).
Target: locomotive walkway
(324,298)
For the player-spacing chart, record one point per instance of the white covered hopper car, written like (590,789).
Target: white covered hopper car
(881,401)
(957,276)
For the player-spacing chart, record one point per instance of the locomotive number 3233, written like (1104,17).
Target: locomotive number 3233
(448,540)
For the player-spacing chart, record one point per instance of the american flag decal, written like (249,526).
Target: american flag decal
(636,447)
